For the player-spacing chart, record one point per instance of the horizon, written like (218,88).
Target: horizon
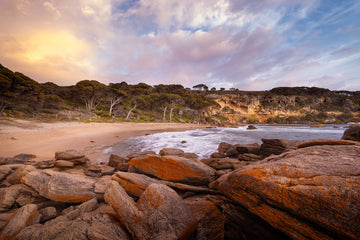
(248,45)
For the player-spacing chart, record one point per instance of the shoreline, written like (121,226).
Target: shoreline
(43,139)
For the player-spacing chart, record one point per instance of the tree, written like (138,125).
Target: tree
(91,93)
(134,104)
(3,105)
(169,100)
(114,98)
(201,87)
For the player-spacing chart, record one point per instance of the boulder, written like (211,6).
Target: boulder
(140,155)
(222,163)
(15,177)
(62,187)
(45,164)
(224,147)
(248,148)
(114,160)
(22,158)
(249,157)
(159,214)
(309,193)
(275,146)
(171,152)
(47,214)
(251,127)
(5,170)
(72,156)
(64,164)
(320,142)
(107,170)
(133,183)
(211,221)
(190,155)
(352,133)
(217,155)
(174,168)
(4,219)
(25,216)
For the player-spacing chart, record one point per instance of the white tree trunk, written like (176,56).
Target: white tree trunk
(113,102)
(132,109)
(164,116)
(171,112)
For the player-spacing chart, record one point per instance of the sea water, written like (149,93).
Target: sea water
(203,142)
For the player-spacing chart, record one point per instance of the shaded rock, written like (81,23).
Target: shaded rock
(219,173)
(249,157)
(4,219)
(171,151)
(25,216)
(211,221)
(174,168)
(222,163)
(309,193)
(68,155)
(190,155)
(188,188)
(352,133)
(217,155)
(62,187)
(251,127)
(106,170)
(92,226)
(47,213)
(114,160)
(275,146)
(20,158)
(15,177)
(321,142)
(45,164)
(64,164)
(248,148)
(3,160)
(18,194)
(159,214)
(232,152)
(101,183)
(224,147)
(140,155)
(5,171)
(133,183)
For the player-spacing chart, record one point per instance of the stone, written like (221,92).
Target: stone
(106,170)
(171,152)
(115,160)
(249,157)
(64,164)
(133,183)
(320,142)
(232,152)
(68,155)
(217,155)
(61,187)
(251,127)
(308,193)
(188,188)
(47,214)
(45,164)
(20,158)
(219,173)
(15,177)
(159,214)
(123,167)
(190,155)
(174,168)
(25,216)
(352,133)
(4,219)
(101,183)
(5,170)
(275,146)
(317,126)
(3,160)
(211,221)
(222,163)
(248,148)
(140,155)
(224,147)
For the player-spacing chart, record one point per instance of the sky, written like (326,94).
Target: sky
(244,44)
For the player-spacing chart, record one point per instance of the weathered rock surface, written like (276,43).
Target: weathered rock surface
(321,142)
(275,146)
(224,147)
(118,162)
(47,213)
(72,156)
(222,163)
(159,214)
(64,164)
(22,158)
(45,164)
(5,170)
(352,133)
(174,168)
(171,152)
(140,154)
(309,193)
(62,187)
(25,216)
(248,148)
(251,127)
(15,177)
(249,157)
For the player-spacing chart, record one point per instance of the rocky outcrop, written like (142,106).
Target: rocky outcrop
(62,187)
(321,142)
(275,146)
(309,193)
(72,156)
(352,133)
(118,162)
(159,214)
(174,168)
(223,163)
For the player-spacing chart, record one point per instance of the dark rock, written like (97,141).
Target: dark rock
(222,163)
(15,177)
(217,155)
(45,164)
(275,146)
(224,147)
(190,156)
(106,170)
(174,168)
(310,193)
(171,152)
(232,152)
(47,214)
(4,219)
(219,173)
(5,170)
(321,142)
(141,154)
(115,160)
(3,160)
(352,133)
(249,157)
(20,158)
(317,126)
(64,164)
(25,216)
(248,148)
(68,155)
(251,127)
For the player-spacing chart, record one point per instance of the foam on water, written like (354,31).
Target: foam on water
(205,141)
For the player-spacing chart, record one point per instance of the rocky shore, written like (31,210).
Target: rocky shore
(280,189)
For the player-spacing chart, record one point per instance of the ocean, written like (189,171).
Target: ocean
(203,142)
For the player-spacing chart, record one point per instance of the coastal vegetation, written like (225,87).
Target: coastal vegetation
(91,99)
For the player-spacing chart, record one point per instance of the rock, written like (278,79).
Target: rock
(45,164)
(101,183)
(219,173)
(275,146)
(159,214)
(4,171)
(114,160)
(133,183)
(62,187)
(4,219)
(140,155)
(249,157)
(211,221)
(317,126)
(217,155)
(320,142)
(106,170)
(352,133)
(47,214)
(68,155)
(20,158)
(15,177)
(309,193)
(3,160)
(19,194)
(188,188)
(251,127)
(224,147)
(232,152)
(171,152)
(174,168)
(25,216)
(90,226)
(64,164)
(222,163)
(248,148)
(190,156)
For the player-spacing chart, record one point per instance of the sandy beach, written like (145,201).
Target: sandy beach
(43,139)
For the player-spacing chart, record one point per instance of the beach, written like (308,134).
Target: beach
(43,139)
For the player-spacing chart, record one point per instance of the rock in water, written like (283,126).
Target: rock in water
(353,134)
(159,214)
(309,193)
(61,187)
(174,168)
